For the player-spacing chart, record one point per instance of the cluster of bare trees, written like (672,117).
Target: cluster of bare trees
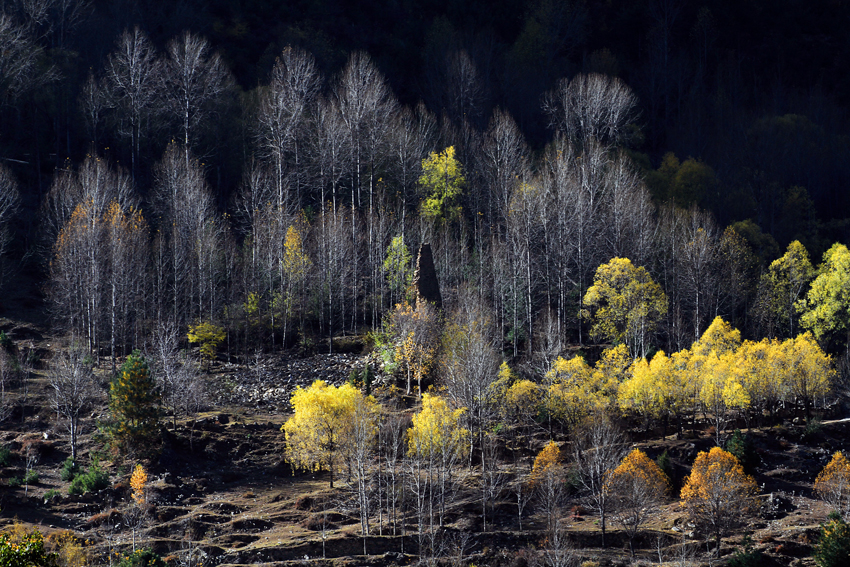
(334,184)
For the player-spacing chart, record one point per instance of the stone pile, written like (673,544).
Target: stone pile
(269,383)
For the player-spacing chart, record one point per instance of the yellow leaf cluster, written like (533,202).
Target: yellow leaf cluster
(295,261)
(627,303)
(323,422)
(522,398)
(575,390)
(443,181)
(720,372)
(638,473)
(718,491)
(209,336)
(138,484)
(437,430)
(832,485)
(547,462)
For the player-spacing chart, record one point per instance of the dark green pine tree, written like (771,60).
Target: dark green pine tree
(134,404)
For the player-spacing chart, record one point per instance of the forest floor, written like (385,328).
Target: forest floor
(222,493)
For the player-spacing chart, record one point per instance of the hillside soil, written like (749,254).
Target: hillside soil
(221,492)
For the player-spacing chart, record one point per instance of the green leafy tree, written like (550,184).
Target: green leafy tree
(684,183)
(443,181)
(826,307)
(29,552)
(134,405)
(627,304)
(833,549)
(142,558)
(397,266)
(782,286)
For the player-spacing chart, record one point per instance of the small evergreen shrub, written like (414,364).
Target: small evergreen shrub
(747,557)
(5,456)
(5,341)
(664,463)
(31,477)
(93,480)
(141,558)
(813,427)
(833,548)
(69,470)
(741,446)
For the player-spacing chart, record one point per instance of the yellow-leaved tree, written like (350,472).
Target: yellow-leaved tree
(657,388)
(761,365)
(833,484)
(809,370)
(636,487)
(436,443)
(712,369)
(721,389)
(718,494)
(547,482)
(782,287)
(324,419)
(137,515)
(825,310)
(442,181)
(208,336)
(416,331)
(138,484)
(294,266)
(574,390)
(625,304)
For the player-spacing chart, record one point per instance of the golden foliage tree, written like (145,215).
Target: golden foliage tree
(436,442)
(324,419)
(718,494)
(781,287)
(825,310)
(416,332)
(294,266)
(28,552)
(637,487)
(627,304)
(138,484)
(436,429)
(809,370)
(547,481)
(443,182)
(762,367)
(832,485)
(574,390)
(208,336)
(657,388)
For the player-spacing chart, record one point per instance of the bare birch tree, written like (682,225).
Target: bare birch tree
(284,108)
(193,237)
(598,447)
(591,107)
(194,81)
(74,389)
(132,74)
(10,200)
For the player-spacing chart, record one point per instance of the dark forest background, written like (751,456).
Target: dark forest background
(756,90)
(741,105)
